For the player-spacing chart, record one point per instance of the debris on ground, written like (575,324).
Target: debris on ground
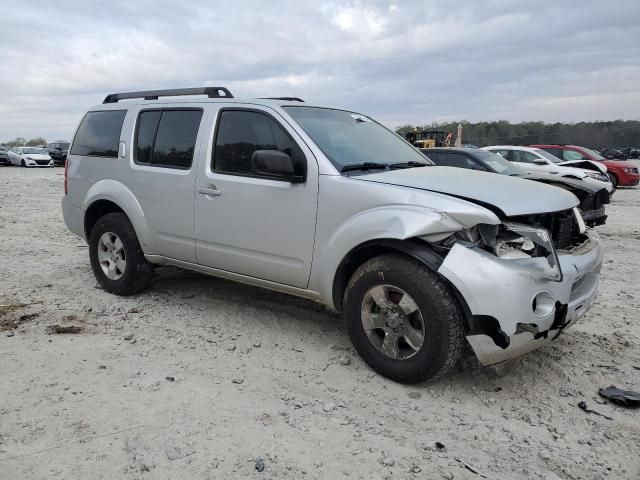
(170,379)
(583,406)
(52,329)
(628,398)
(174,453)
(260,465)
(470,467)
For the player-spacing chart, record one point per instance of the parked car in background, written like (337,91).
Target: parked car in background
(592,198)
(621,173)
(535,160)
(30,157)
(619,153)
(58,151)
(4,156)
(330,205)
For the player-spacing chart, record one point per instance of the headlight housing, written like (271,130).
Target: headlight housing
(598,176)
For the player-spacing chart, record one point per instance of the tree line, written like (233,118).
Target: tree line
(597,135)
(23,142)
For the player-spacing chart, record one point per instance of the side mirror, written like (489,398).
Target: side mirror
(539,161)
(277,164)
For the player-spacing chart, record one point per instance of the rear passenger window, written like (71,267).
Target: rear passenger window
(167,138)
(99,134)
(242,132)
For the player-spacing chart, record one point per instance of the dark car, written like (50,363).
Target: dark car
(4,156)
(592,198)
(58,152)
(620,153)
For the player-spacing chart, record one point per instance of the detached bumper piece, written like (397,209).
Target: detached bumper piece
(514,308)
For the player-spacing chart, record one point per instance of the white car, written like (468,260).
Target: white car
(30,157)
(538,161)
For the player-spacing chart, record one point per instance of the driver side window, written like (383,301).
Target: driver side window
(240,133)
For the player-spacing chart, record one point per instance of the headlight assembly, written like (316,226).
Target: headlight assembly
(598,176)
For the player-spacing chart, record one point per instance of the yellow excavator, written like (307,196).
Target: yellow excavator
(429,138)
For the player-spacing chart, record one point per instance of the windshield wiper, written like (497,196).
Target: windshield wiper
(410,164)
(363,166)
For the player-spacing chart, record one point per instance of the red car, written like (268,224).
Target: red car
(621,173)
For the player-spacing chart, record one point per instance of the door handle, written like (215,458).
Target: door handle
(213,192)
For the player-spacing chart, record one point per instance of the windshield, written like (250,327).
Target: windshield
(348,138)
(34,151)
(63,146)
(593,154)
(547,155)
(497,163)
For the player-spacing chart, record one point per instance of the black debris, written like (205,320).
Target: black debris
(583,406)
(628,398)
(260,465)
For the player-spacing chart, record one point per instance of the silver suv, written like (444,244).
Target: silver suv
(329,205)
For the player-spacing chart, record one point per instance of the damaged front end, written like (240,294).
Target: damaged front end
(524,281)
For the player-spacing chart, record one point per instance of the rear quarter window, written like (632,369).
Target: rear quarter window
(99,134)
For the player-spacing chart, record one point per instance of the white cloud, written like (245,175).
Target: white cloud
(402,62)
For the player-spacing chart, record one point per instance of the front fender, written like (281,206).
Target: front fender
(395,222)
(111,190)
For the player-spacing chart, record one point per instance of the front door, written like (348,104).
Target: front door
(249,223)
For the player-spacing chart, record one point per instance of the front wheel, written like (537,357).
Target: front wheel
(403,320)
(613,179)
(117,260)
(23,163)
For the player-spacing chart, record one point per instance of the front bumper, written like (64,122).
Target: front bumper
(505,320)
(628,179)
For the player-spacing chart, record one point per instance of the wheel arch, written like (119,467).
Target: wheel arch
(108,196)
(415,248)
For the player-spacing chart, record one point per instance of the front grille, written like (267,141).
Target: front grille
(43,162)
(562,229)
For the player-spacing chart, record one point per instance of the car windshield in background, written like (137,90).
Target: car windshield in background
(497,163)
(548,156)
(348,138)
(34,151)
(63,146)
(593,153)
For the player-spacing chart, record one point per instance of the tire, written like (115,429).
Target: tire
(614,180)
(438,312)
(135,276)
(23,164)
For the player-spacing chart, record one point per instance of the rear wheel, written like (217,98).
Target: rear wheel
(403,320)
(116,257)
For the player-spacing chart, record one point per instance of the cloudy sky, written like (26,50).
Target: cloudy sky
(401,61)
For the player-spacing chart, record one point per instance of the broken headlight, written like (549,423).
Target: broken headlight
(518,241)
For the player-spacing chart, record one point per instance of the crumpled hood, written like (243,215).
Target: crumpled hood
(585,165)
(512,195)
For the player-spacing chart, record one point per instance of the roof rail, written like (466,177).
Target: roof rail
(286,99)
(211,92)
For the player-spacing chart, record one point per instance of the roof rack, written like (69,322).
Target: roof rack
(286,99)
(211,92)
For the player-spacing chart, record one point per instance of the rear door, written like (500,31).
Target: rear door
(247,223)
(161,171)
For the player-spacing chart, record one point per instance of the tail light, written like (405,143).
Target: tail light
(66,169)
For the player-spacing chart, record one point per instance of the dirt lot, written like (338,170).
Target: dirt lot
(202,378)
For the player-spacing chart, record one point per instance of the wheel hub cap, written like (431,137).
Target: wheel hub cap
(393,322)
(111,256)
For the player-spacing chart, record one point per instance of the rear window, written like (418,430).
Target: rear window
(99,134)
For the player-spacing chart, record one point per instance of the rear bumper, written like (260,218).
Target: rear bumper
(507,319)
(73,218)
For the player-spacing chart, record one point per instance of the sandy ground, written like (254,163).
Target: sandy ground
(216,376)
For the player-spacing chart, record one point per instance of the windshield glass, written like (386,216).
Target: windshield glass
(593,154)
(63,146)
(348,138)
(547,155)
(497,163)
(34,151)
